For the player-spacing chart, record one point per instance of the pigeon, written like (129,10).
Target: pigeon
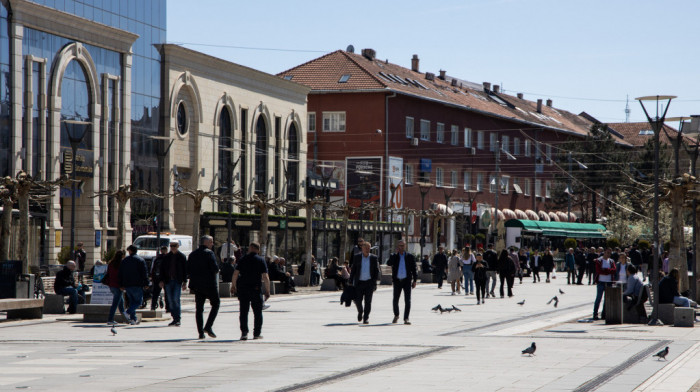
(555,299)
(437,308)
(521,303)
(456,309)
(443,310)
(561,292)
(662,354)
(113,331)
(530,351)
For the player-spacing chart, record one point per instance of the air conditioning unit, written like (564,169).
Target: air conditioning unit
(414,142)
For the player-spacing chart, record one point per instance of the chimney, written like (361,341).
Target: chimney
(454,82)
(496,88)
(520,95)
(539,106)
(429,76)
(487,86)
(442,74)
(369,54)
(414,63)
(549,103)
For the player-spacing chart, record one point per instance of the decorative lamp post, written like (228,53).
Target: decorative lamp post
(656,124)
(424,188)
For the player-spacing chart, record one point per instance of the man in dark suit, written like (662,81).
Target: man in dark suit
(202,270)
(363,275)
(439,265)
(404,277)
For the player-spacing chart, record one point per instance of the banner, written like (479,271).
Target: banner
(100,292)
(396,187)
(363,180)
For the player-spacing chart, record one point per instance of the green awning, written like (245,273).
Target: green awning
(559,229)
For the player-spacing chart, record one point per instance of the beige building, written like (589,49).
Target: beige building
(230,127)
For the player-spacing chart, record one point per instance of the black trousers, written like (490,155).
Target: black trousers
(480,289)
(247,299)
(581,271)
(364,290)
(439,275)
(405,286)
(536,274)
(200,296)
(509,280)
(156,295)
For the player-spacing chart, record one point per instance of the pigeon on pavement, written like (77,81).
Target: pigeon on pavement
(555,299)
(662,354)
(521,303)
(530,350)
(437,308)
(456,309)
(113,331)
(561,292)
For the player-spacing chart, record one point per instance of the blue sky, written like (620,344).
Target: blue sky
(584,55)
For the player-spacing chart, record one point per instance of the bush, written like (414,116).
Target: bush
(643,244)
(480,238)
(612,243)
(570,243)
(108,254)
(63,255)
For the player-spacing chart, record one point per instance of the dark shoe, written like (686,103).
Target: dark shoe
(201,335)
(244,337)
(406,322)
(396,319)
(257,337)
(365,322)
(595,317)
(209,332)
(174,324)
(161,304)
(359,317)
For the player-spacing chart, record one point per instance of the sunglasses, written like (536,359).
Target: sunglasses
(173,246)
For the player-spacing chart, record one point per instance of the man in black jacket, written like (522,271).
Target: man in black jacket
(173,278)
(364,274)
(202,270)
(251,282)
(439,265)
(65,285)
(491,259)
(404,277)
(133,279)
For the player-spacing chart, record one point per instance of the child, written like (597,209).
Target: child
(479,270)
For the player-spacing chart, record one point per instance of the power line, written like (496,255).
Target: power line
(250,47)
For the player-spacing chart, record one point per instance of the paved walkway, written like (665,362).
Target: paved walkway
(313,343)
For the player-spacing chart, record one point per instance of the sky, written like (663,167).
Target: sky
(584,55)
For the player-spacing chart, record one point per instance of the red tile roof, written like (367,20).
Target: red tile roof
(324,74)
(630,132)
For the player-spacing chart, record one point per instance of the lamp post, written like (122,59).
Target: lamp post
(229,222)
(498,182)
(362,200)
(74,143)
(423,188)
(447,204)
(694,152)
(161,153)
(656,124)
(287,176)
(326,185)
(392,189)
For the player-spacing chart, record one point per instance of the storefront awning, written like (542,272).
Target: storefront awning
(560,229)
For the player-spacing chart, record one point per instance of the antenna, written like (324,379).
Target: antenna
(627,110)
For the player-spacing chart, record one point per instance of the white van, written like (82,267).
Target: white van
(148,247)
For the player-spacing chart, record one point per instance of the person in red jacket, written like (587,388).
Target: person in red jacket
(113,283)
(604,275)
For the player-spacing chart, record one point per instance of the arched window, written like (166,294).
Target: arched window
(225,153)
(293,164)
(260,156)
(75,106)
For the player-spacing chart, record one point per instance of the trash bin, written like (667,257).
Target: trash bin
(613,305)
(9,273)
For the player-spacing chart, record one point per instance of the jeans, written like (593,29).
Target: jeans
(246,299)
(493,277)
(405,286)
(172,293)
(681,301)
(117,301)
(468,278)
(200,296)
(134,294)
(600,290)
(315,278)
(364,289)
(73,295)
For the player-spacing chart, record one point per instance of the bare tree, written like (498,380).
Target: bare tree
(264,205)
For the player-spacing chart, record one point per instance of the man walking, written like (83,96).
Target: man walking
(604,274)
(439,264)
(491,259)
(202,270)
(251,282)
(363,275)
(173,275)
(133,279)
(404,277)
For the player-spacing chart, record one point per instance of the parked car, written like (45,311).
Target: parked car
(148,245)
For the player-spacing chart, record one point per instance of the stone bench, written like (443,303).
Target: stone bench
(427,278)
(224,289)
(276,288)
(329,285)
(666,313)
(22,308)
(298,280)
(683,317)
(54,304)
(94,313)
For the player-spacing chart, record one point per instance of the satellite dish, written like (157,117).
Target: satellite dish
(350,49)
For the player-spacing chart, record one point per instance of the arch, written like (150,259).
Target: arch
(226,101)
(186,81)
(293,153)
(75,51)
(262,110)
(262,144)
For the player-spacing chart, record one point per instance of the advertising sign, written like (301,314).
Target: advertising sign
(395,171)
(363,180)
(100,292)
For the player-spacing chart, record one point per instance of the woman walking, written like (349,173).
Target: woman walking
(479,269)
(113,283)
(548,262)
(467,260)
(454,271)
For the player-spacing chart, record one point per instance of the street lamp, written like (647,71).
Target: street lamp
(656,124)
(424,188)
(74,143)
(362,201)
(510,157)
(229,229)
(161,153)
(326,185)
(447,205)
(287,176)
(392,189)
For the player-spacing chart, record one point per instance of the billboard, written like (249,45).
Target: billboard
(363,180)
(396,185)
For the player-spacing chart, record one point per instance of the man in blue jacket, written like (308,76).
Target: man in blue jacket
(133,279)
(363,275)
(202,270)
(404,278)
